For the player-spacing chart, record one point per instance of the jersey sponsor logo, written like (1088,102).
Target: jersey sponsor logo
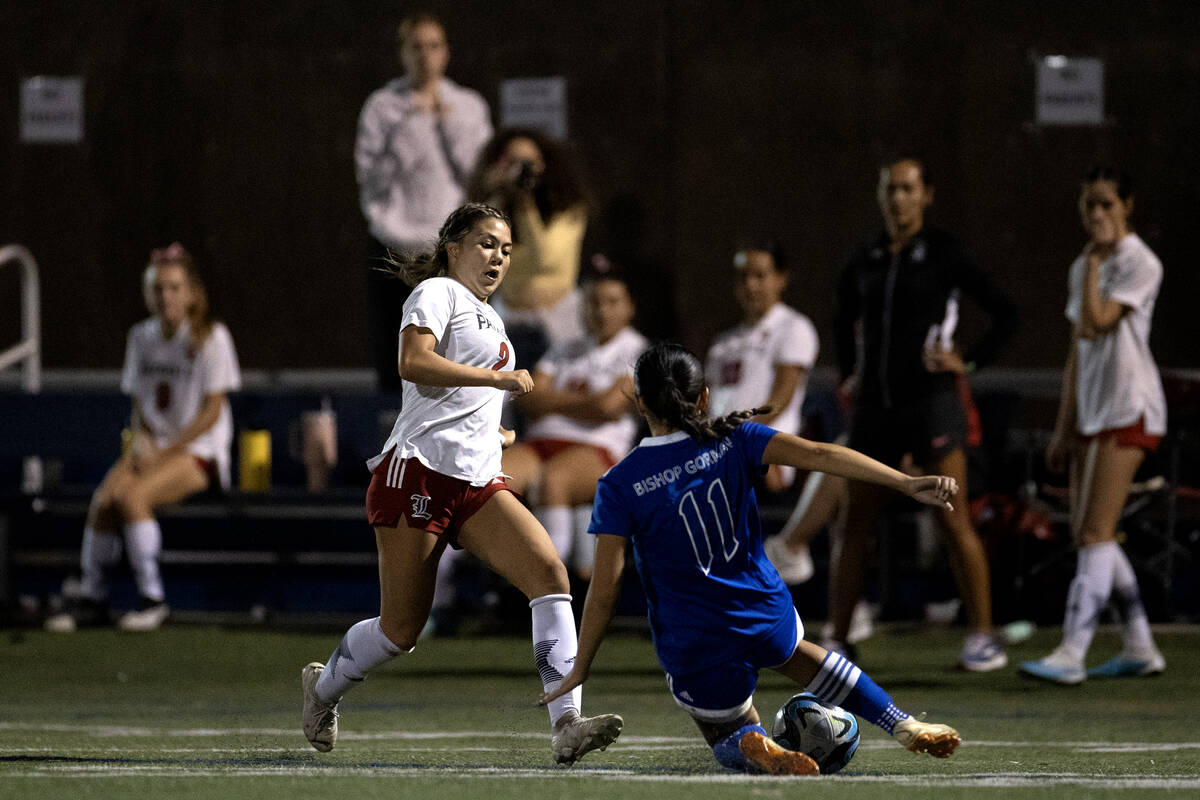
(421,506)
(731,373)
(154,369)
(484,322)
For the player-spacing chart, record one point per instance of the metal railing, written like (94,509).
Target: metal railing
(29,349)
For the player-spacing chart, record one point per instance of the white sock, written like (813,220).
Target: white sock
(557,522)
(363,648)
(99,552)
(584,547)
(1088,596)
(811,484)
(143,541)
(554,646)
(1136,628)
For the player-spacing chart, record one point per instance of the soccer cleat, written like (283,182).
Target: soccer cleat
(80,613)
(794,567)
(149,618)
(940,741)
(320,719)
(575,736)
(1128,664)
(1058,667)
(982,652)
(765,757)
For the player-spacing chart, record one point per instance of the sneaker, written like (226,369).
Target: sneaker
(575,736)
(320,719)
(1058,667)
(80,613)
(794,566)
(940,741)
(765,757)
(862,625)
(149,617)
(982,652)
(1129,664)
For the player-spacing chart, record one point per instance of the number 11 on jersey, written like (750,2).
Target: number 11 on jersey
(701,526)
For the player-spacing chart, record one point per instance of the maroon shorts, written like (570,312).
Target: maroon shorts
(1131,436)
(547,449)
(426,500)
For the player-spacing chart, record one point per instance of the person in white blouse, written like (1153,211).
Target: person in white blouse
(438,483)
(179,366)
(767,358)
(1112,412)
(418,139)
(582,419)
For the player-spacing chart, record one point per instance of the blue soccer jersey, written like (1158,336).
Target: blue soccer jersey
(691,512)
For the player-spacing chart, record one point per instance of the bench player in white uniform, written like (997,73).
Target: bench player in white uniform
(1113,412)
(438,483)
(583,419)
(765,360)
(179,366)
(684,498)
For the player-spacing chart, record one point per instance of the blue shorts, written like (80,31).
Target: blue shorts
(725,692)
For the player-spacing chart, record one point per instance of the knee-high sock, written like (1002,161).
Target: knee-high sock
(557,522)
(1088,596)
(1136,627)
(583,549)
(99,552)
(554,646)
(839,682)
(364,647)
(143,542)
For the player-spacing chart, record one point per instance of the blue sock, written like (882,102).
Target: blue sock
(840,683)
(726,750)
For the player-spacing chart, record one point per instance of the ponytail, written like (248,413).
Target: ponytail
(412,268)
(669,381)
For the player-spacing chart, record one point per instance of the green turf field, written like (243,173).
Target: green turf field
(197,711)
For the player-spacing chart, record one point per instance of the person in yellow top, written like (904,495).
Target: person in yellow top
(537,181)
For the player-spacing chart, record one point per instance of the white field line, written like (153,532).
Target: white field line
(987,780)
(643,742)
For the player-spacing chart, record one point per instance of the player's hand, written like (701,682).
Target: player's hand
(1058,451)
(933,490)
(507,438)
(572,679)
(938,360)
(142,452)
(519,381)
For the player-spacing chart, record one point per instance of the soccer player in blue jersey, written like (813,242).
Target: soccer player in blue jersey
(718,610)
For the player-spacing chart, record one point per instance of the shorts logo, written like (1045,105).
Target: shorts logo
(421,506)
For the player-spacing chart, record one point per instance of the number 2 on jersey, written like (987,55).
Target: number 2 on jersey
(698,529)
(503,356)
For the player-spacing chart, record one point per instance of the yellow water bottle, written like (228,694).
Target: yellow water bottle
(254,460)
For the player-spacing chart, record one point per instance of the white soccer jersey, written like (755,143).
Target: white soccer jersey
(453,430)
(1117,382)
(741,363)
(169,386)
(581,365)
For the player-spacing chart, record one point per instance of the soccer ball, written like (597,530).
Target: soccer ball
(828,734)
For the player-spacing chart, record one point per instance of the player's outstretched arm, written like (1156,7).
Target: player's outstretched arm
(597,612)
(785,448)
(420,363)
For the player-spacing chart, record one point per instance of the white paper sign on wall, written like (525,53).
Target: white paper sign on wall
(1070,91)
(52,109)
(535,103)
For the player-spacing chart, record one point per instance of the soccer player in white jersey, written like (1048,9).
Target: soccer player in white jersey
(179,367)
(1112,413)
(718,610)
(582,419)
(438,483)
(766,359)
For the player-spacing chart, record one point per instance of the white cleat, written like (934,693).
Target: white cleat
(940,741)
(149,618)
(63,622)
(320,719)
(575,736)
(1058,667)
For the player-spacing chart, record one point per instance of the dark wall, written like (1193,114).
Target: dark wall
(230,126)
